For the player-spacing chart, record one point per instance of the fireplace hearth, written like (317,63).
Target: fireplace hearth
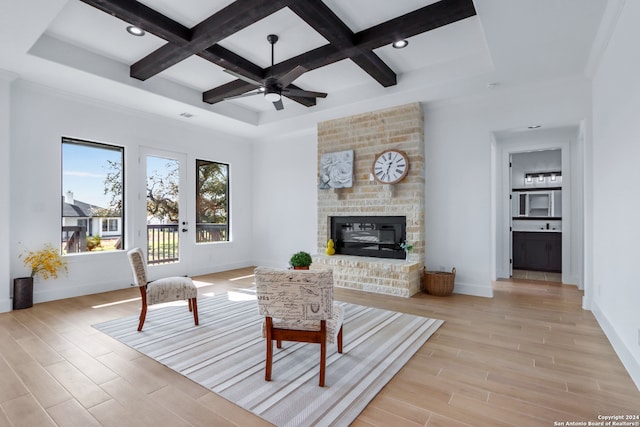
(369,236)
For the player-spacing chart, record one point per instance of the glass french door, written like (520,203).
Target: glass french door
(167,227)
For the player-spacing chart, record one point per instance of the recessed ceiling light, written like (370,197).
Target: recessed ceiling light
(135,31)
(400,44)
(534,126)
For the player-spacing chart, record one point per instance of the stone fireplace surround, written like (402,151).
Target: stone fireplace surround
(369,134)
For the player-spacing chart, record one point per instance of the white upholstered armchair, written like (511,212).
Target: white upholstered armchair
(298,306)
(162,290)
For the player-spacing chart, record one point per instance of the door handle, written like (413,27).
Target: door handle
(184,230)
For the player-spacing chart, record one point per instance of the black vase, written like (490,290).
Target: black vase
(22,292)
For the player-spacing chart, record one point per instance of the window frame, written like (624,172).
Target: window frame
(121,220)
(198,163)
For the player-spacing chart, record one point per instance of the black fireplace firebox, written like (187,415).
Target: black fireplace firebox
(374,236)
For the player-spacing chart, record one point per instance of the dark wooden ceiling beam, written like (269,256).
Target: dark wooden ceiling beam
(311,60)
(420,21)
(408,25)
(231,19)
(231,61)
(144,17)
(322,19)
(233,88)
(202,39)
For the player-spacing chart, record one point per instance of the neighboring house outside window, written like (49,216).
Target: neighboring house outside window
(96,170)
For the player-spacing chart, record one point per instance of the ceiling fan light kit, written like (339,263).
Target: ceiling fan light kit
(272,96)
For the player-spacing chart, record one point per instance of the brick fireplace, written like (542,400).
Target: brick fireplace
(368,134)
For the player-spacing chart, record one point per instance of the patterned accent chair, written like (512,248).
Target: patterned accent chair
(298,306)
(161,290)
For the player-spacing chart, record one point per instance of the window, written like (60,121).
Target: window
(212,202)
(109,224)
(93,196)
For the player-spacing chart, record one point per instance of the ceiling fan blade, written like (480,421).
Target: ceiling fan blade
(278,104)
(241,77)
(288,78)
(244,95)
(303,93)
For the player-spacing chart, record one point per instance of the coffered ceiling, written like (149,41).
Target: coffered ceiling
(178,68)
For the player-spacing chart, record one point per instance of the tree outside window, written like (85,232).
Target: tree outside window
(212,201)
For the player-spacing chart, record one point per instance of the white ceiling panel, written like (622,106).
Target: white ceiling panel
(187,12)
(449,43)
(91,29)
(295,37)
(197,73)
(362,14)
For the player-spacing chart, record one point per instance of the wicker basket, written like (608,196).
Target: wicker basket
(439,283)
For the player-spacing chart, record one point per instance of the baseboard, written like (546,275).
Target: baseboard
(473,289)
(571,280)
(219,268)
(626,357)
(45,295)
(272,264)
(6,305)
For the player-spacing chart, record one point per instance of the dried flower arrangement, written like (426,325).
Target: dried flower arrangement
(46,262)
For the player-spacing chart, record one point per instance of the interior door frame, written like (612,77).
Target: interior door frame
(511,202)
(182,266)
(507,146)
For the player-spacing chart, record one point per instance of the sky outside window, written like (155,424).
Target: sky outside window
(84,171)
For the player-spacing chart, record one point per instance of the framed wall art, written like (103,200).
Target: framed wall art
(336,170)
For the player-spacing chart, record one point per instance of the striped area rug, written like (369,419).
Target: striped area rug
(226,354)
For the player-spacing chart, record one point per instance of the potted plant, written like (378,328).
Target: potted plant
(407,247)
(46,262)
(300,260)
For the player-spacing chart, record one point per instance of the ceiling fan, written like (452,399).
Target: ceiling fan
(274,88)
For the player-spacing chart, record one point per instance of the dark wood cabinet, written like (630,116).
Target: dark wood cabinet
(538,251)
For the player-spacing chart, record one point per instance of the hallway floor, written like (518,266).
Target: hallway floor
(537,275)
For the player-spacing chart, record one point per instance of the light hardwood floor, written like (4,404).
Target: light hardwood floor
(528,357)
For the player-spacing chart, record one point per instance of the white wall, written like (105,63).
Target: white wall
(5,183)
(285,198)
(40,117)
(615,155)
(461,195)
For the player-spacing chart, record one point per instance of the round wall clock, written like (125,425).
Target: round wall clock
(390,166)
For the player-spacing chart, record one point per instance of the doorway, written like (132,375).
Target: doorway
(536,215)
(166,212)
(567,140)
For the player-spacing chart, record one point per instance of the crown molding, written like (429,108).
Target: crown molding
(607,27)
